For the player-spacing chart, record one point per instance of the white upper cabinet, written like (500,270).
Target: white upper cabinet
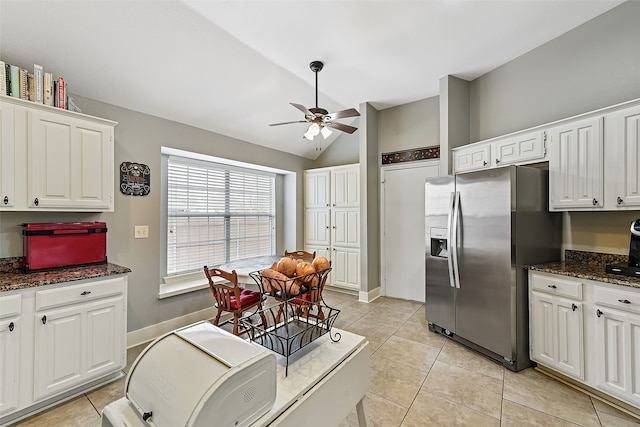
(316,194)
(576,165)
(622,159)
(472,157)
(520,148)
(345,186)
(54,160)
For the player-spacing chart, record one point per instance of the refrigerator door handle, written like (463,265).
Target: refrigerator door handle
(453,235)
(452,280)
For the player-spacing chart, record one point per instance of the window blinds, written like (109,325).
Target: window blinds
(217,213)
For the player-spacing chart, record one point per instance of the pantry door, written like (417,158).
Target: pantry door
(402,228)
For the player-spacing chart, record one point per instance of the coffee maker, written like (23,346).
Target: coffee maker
(632,267)
(634,244)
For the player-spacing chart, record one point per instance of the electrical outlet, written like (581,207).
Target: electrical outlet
(141,232)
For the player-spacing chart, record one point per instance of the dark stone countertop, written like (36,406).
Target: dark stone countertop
(589,266)
(12,276)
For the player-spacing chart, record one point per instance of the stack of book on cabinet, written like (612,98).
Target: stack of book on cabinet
(36,86)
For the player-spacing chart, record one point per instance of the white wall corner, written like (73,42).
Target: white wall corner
(369,296)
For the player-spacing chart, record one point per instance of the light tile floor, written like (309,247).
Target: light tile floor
(418,378)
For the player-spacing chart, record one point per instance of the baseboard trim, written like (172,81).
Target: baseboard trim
(369,296)
(151,332)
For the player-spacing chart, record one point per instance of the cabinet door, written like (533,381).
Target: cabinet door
(576,165)
(104,337)
(557,333)
(10,331)
(70,163)
(542,329)
(58,351)
(346,268)
(618,343)
(472,157)
(316,226)
(316,193)
(520,148)
(345,187)
(345,227)
(623,143)
(569,337)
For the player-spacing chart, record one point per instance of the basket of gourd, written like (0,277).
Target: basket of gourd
(292,277)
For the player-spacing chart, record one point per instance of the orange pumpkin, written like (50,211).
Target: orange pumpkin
(305,269)
(287,266)
(320,264)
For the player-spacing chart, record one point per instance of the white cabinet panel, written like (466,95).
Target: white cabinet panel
(346,268)
(576,165)
(104,319)
(345,228)
(472,157)
(317,226)
(345,186)
(618,344)
(521,148)
(10,339)
(622,162)
(316,193)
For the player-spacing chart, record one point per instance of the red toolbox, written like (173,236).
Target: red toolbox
(62,244)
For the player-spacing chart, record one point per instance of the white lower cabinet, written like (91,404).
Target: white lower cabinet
(76,336)
(346,268)
(557,326)
(599,335)
(10,338)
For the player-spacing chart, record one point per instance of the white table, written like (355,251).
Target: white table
(326,380)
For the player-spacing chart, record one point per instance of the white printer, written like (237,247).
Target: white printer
(196,376)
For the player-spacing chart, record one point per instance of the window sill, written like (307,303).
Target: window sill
(179,285)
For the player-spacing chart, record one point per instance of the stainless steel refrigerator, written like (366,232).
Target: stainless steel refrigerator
(482,229)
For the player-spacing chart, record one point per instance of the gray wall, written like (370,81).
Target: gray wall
(409,126)
(595,65)
(138,138)
(343,151)
(590,67)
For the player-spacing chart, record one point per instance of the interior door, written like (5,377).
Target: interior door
(402,265)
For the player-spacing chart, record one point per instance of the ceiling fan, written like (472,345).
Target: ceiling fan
(321,120)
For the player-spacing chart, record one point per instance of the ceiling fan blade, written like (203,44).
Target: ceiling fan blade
(351,112)
(302,108)
(342,127)
(288,123)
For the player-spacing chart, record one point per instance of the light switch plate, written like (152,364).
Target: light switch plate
(141,232)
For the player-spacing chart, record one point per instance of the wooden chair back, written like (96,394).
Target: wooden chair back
(300,254)
(222,292)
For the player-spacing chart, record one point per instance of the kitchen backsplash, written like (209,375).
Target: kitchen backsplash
(583,257)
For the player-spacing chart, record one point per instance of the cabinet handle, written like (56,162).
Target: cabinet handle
(36,201)
(552,286)
(599,313)
(11,327)
(334,227)
(44,319)
(147,415)
(327,227)
(497,161)
(6,200)
(85,293)
(624,301)
(484,163)
(573,307)
(619,200)
(594,201)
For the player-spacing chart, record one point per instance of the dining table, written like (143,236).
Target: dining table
(244,266)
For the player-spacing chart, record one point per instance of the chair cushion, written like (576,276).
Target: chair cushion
(247,296)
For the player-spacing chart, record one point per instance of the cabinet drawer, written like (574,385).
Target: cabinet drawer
(78,294)
(618,298)
(556,286)
(10,306)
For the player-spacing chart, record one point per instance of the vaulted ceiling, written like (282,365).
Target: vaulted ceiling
(232,67)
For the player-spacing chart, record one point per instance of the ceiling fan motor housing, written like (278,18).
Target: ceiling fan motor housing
(316,66)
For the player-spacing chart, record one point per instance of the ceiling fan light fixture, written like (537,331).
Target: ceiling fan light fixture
(314,129)
(326,132)
(308,135)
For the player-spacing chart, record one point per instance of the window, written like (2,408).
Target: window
(216,213)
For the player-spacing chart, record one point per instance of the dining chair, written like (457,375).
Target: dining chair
(232,298)
(300,254)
